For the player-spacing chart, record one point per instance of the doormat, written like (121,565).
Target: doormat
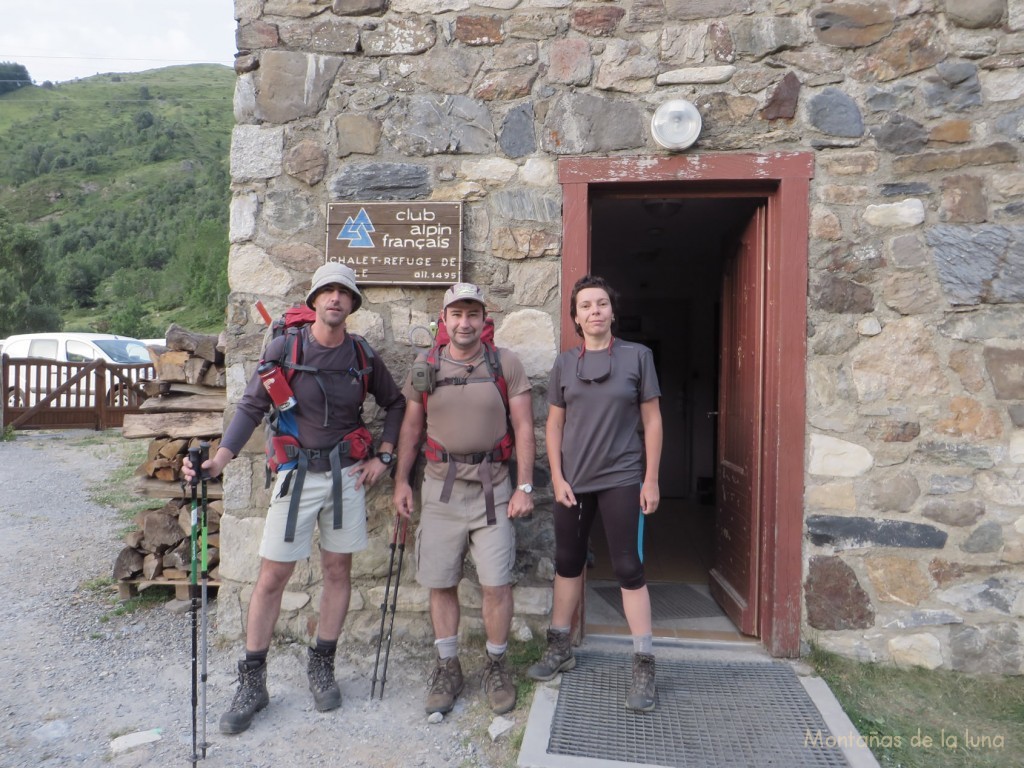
(709,714)
(668,601)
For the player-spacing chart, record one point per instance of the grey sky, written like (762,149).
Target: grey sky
(65,39)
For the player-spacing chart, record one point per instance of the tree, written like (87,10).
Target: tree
(26,288)
(13,76)
(130,320)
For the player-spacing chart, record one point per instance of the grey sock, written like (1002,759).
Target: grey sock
(447,647)
(496,650)
(643,643)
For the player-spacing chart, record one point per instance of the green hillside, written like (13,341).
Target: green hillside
(123,181)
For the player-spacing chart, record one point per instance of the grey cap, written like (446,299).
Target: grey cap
(463,292)
(333,273)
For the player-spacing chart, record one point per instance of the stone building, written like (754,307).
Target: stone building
(831,278)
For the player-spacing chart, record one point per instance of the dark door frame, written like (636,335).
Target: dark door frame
(783,179)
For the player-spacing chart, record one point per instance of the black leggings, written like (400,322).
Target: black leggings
(623,527)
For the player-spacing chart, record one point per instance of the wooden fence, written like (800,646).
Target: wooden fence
(45,394)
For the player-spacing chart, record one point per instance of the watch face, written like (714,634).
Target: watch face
(526,488)
(386,458)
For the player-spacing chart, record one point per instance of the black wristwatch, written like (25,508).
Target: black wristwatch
(386,458)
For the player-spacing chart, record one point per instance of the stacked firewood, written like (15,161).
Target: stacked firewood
(160,550)
(183,411)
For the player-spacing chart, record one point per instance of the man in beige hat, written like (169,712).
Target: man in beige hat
(326,486)
(461,398)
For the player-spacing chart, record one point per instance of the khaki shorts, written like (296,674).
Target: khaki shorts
(448,531)
(316,507)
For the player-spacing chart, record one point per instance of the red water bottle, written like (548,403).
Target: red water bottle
(276,385)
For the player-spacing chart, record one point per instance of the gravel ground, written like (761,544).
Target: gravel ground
(75,675)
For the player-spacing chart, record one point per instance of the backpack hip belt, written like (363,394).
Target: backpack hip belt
(496,455)
(353,447)
(484,459)
(320,458)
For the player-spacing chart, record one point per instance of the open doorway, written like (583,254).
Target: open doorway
(762,202)
(666,256)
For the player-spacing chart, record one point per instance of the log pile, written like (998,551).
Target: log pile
(159,551)
(184,408)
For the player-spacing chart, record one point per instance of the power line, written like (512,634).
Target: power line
(213,60)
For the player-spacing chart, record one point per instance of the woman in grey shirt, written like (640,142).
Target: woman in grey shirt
(599,396)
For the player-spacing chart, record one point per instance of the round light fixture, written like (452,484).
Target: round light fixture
(676,124)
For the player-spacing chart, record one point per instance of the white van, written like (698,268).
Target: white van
(77,347)
(68,348)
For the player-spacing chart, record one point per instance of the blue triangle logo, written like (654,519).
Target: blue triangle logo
(357,230)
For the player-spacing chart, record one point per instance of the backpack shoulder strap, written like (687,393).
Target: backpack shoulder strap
(291,354)
(365,356)
(492,357)
(433,360)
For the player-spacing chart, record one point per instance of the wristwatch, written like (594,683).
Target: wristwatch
(386,458)
(525,488)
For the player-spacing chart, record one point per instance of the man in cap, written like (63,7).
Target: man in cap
(467,498)
(329,391)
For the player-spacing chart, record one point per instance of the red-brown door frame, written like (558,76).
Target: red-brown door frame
(785,177)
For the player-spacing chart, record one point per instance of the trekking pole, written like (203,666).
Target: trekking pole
(204,454)
(387,590)
(403,522)
(195,460)
(384,607)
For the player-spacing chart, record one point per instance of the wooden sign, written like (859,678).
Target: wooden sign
(403,243)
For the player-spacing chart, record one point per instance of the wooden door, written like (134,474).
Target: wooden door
(734,577)
(782,180)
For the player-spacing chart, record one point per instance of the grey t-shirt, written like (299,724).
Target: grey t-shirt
(601,441)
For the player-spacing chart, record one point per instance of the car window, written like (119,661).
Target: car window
(124,350)
(137,352)
(79,352)
(17,348)
(43,348)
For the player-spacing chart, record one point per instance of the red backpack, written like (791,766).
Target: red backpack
(291,324)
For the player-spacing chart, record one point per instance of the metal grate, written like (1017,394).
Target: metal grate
(710,714)
(668,601)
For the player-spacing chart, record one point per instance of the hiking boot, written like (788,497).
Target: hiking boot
(497,684)
(445,684)
(557,658)
(320,671)
(250,697)
(641,692)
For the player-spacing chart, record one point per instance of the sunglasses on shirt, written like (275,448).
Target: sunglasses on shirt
(594,379)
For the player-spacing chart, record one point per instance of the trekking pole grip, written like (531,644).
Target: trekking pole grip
(195,458)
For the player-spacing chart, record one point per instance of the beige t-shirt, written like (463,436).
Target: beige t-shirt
(471,417)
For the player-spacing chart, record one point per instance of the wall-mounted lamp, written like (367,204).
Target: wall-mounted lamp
(676,124)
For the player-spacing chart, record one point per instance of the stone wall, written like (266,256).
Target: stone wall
(914,509)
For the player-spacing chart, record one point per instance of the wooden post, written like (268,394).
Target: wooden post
(99,381)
